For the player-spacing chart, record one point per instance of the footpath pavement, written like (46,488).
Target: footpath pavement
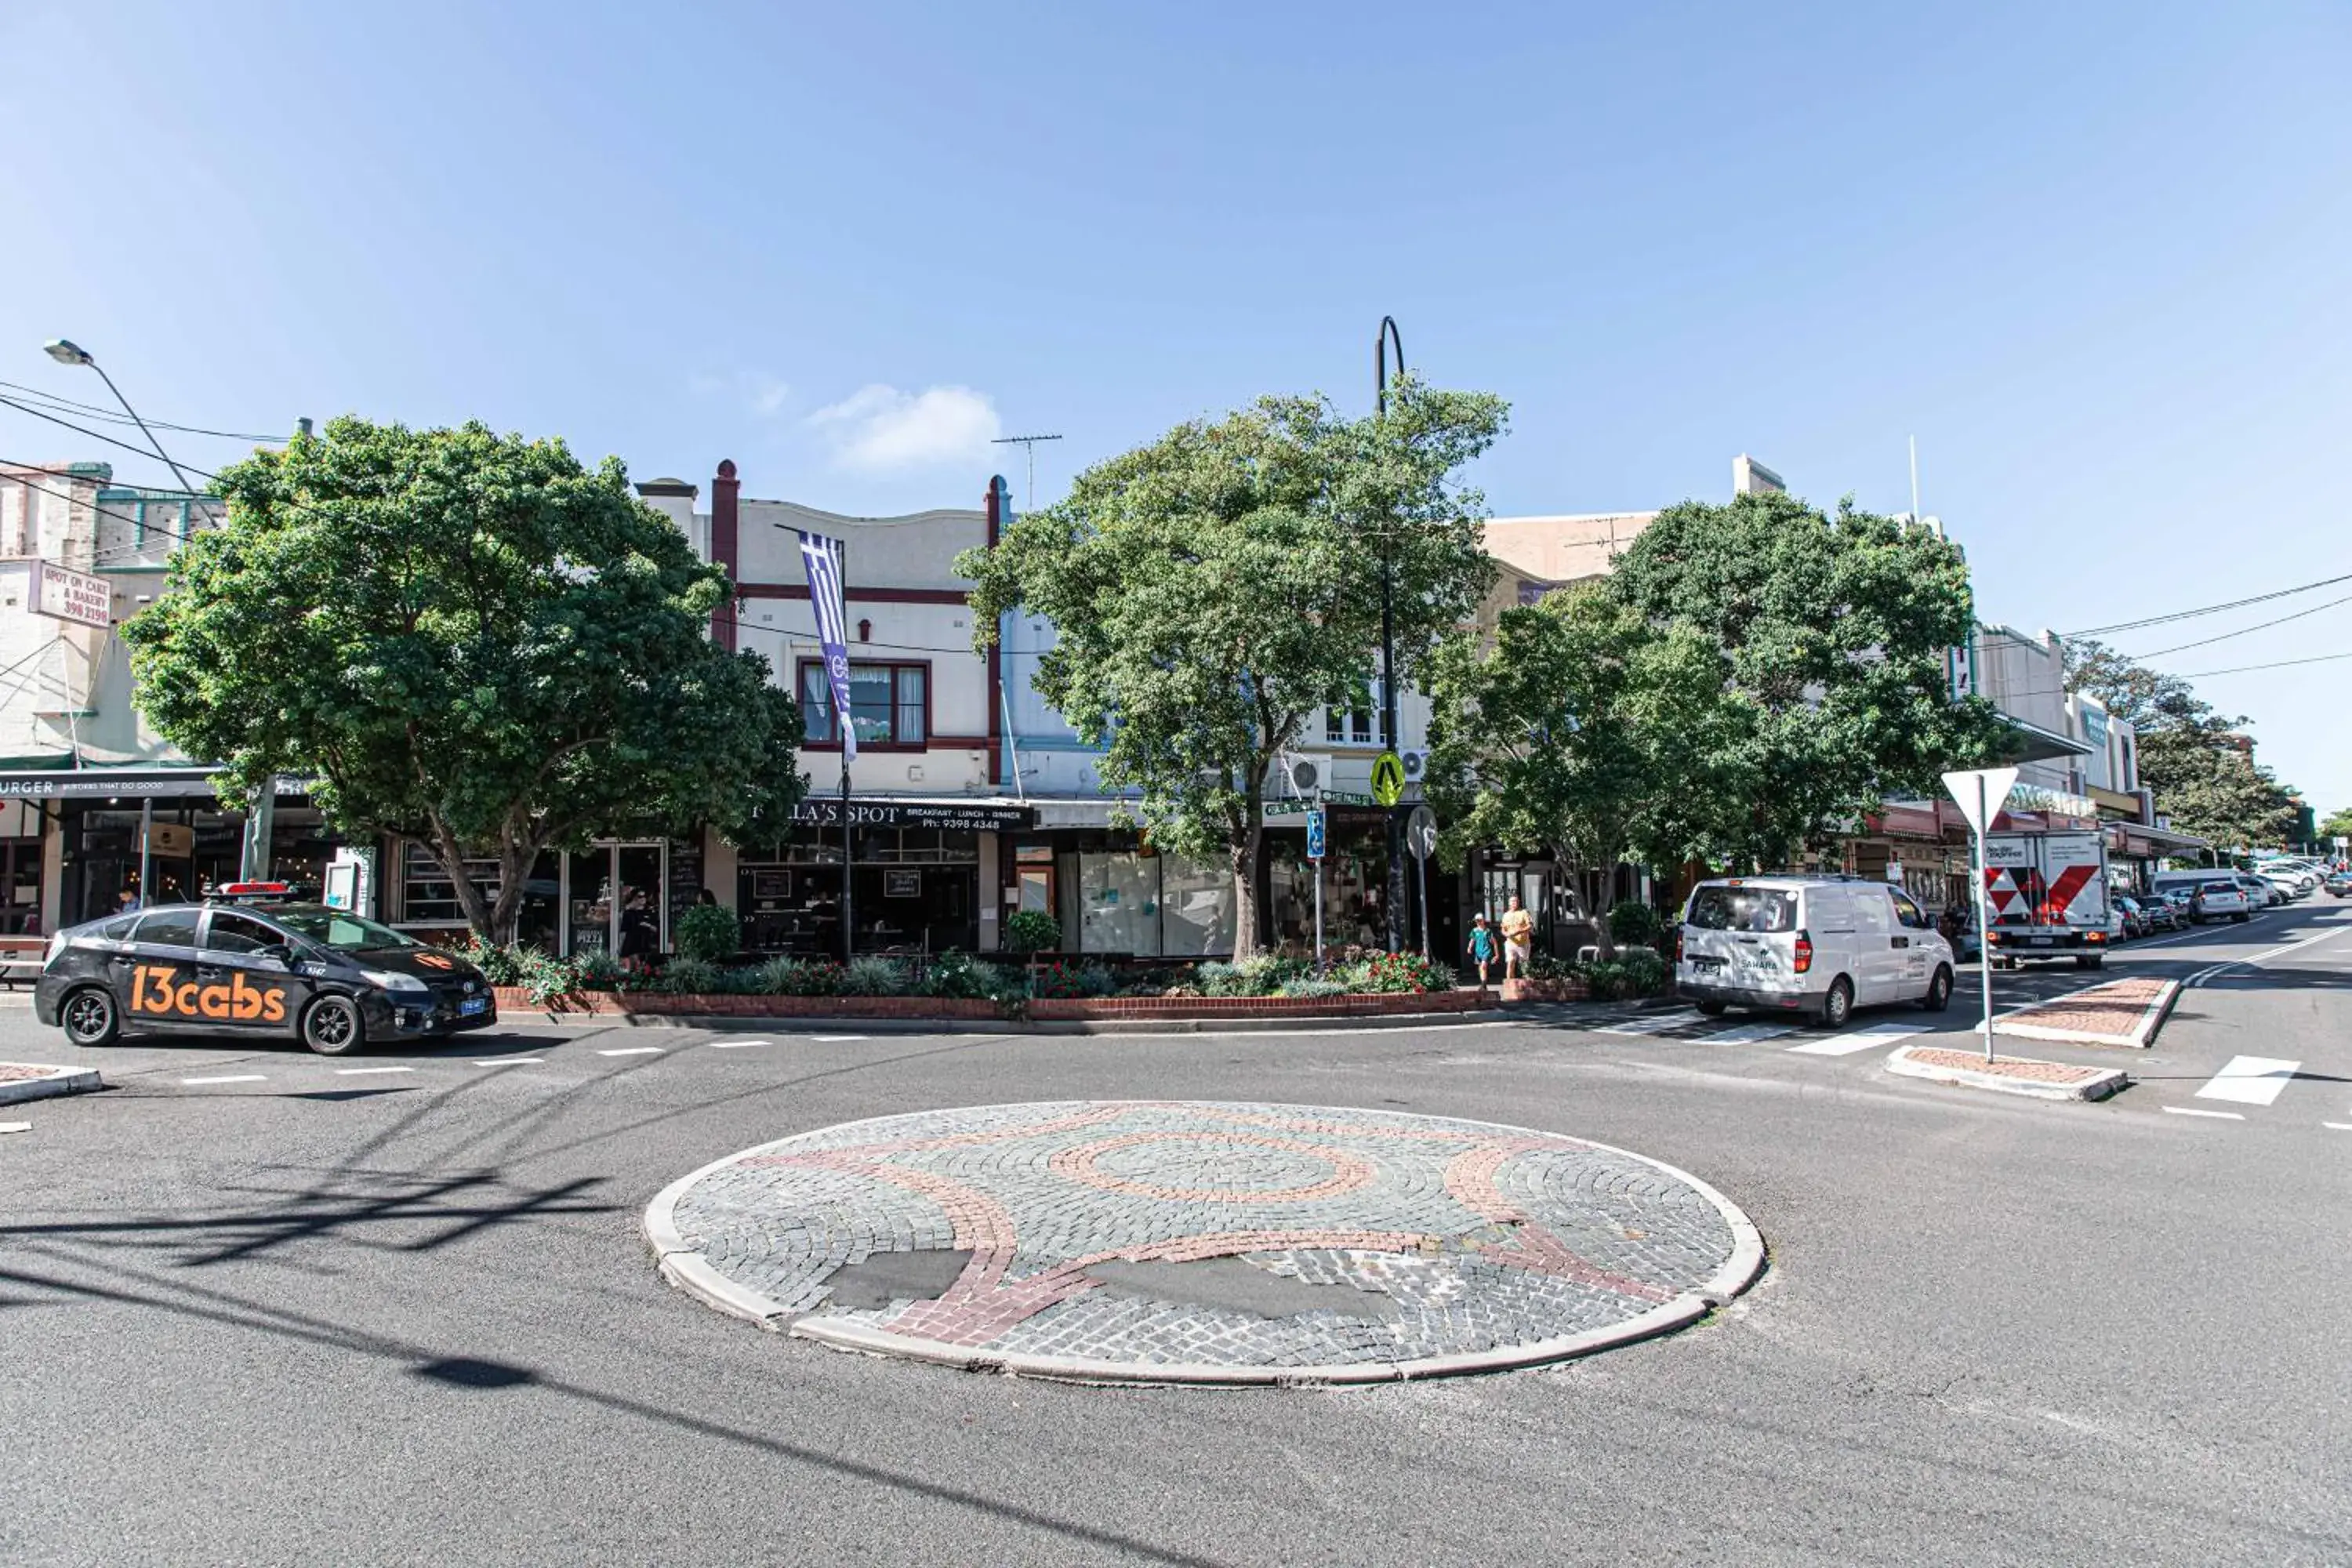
(1183,1242)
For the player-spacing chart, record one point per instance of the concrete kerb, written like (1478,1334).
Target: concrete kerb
(2099,1085)
(54,1080)
(2141,1035)
(1325,1024)
(687,1270)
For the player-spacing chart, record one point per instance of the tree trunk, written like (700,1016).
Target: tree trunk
(1245,853)
(452,857)
(515,858)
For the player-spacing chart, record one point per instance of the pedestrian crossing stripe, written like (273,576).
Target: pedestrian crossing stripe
(2249,1080)
(1747,1035)
(1852,1040)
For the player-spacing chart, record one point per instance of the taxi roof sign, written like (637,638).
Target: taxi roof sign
(252,890)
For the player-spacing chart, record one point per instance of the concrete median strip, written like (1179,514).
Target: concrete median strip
(38,1081)
(2118,1013)
(2007,1074)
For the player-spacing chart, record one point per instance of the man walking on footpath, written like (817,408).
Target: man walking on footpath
(1519,937)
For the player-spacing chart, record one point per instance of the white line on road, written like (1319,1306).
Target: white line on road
(230,1078)
(1748,1035)
(1657,1024)
(2208,972)
(16,1127)
(633,1051)
(2251,1080)
(368,1072)
(2217,1115)
(509,1061)
(2338,1126)
(736,1044)
(836,1039)
(1853,1040)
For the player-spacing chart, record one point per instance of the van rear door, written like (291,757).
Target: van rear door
(1738,935)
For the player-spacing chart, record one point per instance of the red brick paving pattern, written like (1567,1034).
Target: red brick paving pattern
(2002,1066)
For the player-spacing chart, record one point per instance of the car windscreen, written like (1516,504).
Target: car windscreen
(2223,887)
(1743,909)
(335,928)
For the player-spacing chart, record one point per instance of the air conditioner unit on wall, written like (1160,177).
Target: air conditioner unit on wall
(1307,775)
(1416,765)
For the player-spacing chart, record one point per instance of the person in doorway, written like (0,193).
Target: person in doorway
(1482,946)
(1518,940)
(640,935)
(706,899)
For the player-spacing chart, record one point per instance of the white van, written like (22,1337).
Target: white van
(1814,945)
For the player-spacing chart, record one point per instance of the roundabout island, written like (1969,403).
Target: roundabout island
(1199,1242)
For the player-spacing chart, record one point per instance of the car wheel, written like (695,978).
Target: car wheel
(2240,919)
(1939,991)
(2090,960)
(332,1027)
(1837,1007)
(1712,1009)
(91,1017)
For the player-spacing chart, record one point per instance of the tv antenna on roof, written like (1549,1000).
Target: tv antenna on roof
(1029,445)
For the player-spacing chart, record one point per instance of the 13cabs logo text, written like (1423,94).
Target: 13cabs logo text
(158,989)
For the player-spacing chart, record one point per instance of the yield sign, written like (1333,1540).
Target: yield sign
(1981,792)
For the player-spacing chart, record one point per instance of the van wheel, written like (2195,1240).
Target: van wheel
(1712,1009)
(91,1018)
(332,1027)
(1939,991)
(1837,1007)
(2090,960)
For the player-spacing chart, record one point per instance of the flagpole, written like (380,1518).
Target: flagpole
(848,924)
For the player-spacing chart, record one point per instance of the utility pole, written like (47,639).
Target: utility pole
(1029,445)
(1391,906)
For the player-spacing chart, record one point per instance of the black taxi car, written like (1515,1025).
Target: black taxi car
(250,961)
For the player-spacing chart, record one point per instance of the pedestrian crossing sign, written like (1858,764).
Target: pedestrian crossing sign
(1387,779)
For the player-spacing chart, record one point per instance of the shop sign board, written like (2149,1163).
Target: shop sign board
(75,597)
(953,816)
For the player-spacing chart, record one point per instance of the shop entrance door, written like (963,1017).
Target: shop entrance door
(616,900)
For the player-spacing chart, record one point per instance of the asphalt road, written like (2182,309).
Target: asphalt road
(399,1311)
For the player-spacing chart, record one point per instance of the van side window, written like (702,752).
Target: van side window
(1906,913)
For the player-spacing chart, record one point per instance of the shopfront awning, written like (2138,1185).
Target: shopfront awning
(129,782)
(2031,743)
(2143,842)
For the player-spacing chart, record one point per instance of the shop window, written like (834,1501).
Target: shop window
(1196,907)
(890,704)
(1118,903)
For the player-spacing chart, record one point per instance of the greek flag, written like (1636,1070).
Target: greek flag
(822,556)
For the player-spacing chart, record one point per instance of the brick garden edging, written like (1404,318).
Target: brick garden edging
(1568,990)
(2027,1076)
(514,999)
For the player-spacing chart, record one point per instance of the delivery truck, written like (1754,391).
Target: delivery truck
(2047,897)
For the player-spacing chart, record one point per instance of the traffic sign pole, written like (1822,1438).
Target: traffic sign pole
(1980,793)
(1314,845)
(1984,926)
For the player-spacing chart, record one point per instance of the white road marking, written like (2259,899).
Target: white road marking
(368,1072)
(1658,1025)
(16,1127)
(633,1051)
(2336,1126)
(1852,1040)
(2251,1080)
(230,1078)
(836,1039)
(2217,1115)
(2202,975)
(510,1062)
(1748,1034)
(736,1044)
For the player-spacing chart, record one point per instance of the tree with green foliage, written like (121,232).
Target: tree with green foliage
(1834,629)
(2336,824)
(1214,591)
(465,638)
(1582,729)
(2198,763)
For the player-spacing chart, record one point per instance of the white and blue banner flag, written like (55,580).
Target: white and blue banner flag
(822,556)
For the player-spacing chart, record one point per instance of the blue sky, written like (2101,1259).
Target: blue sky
(2091,256)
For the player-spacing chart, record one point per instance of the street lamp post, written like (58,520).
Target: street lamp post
(65,351)
(1393,906)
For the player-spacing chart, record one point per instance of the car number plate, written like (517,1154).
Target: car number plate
(2040,941)
(473,1004)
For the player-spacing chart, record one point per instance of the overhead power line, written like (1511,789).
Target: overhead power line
(93,435)
(2264,625)
(109,416)
(2275,664)
(2208,609)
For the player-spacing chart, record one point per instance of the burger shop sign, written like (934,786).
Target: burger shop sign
(954,816)
(74,597)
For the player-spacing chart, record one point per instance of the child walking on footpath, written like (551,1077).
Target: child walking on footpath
(1482,945)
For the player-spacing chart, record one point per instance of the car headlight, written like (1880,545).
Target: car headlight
(391,981)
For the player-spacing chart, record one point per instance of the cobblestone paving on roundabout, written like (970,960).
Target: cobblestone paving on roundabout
(1182,1241)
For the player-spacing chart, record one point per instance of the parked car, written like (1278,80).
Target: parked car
(2161,914)
(2339,885)
(2260,893)
(1817,946)
(2130,918)
(2220,898)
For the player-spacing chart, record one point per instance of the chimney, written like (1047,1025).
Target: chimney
(723,550)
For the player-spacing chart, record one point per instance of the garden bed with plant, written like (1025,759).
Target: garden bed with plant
(959,985)
(1632,973)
